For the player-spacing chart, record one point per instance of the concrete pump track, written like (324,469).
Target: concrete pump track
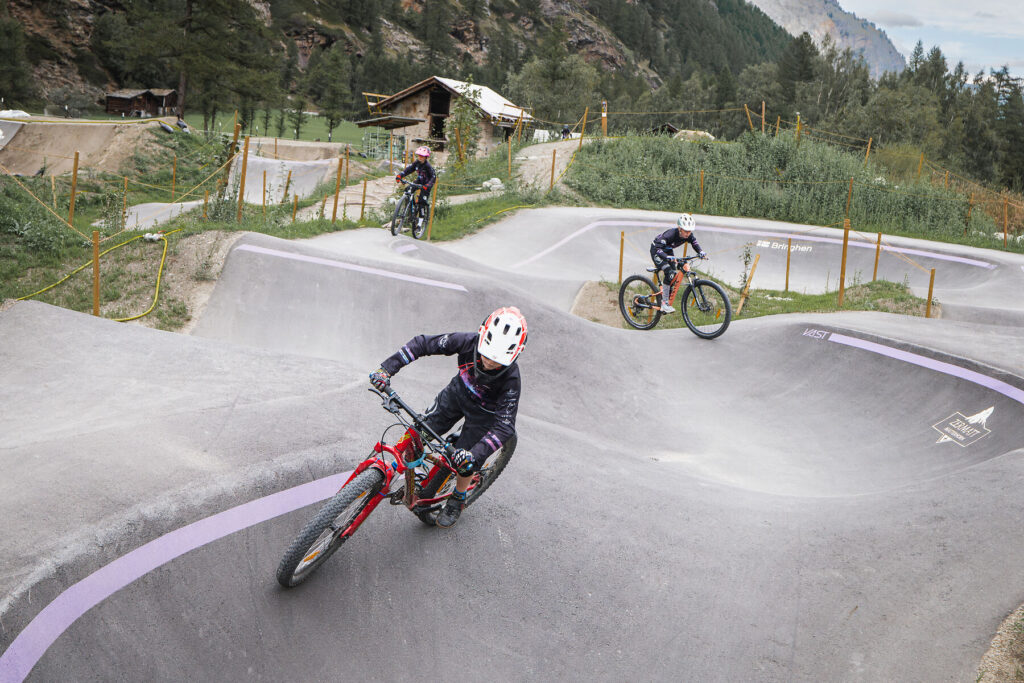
(807,498)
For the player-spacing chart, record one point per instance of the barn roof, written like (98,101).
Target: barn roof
(492,104)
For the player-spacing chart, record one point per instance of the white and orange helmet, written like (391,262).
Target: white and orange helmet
(502,336)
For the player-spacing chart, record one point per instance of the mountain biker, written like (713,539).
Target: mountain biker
(485,392)
(665,259)
(425,176)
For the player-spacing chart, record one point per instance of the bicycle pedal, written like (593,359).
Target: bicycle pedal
(398,497)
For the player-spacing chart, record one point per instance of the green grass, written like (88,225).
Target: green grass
(454,221)
(773,178)
(314,127)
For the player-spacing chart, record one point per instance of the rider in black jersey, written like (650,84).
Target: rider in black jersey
(485,392)
(663,254)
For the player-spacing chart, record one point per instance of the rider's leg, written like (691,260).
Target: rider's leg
(668,275)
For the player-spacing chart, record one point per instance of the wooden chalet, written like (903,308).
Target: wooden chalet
(149,102)
(421,109)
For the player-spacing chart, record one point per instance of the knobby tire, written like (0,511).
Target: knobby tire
(398,218)
(318,537)
(640,317)
(710,323)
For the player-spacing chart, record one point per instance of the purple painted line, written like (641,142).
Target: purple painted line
(999,386)
(351,266)
(30,645)
(762,233)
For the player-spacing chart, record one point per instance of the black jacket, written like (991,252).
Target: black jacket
(492,401)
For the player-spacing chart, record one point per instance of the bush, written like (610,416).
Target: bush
(764,176)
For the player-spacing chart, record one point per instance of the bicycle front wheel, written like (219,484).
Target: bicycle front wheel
(398,217)
(331,527)
(706,309)
(640,302)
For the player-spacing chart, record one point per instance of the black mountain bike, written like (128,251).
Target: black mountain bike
(405,219)
(705,306)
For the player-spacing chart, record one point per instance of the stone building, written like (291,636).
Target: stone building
(418,113)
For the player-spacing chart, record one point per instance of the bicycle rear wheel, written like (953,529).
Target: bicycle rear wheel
(444,482)
(326,532)
(706,309)
(399,216)
(640,302)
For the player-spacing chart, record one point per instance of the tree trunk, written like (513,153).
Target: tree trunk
(183,79)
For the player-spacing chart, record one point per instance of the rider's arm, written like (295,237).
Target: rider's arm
(692,239)
(428,171)
(408,169)
(429,345)
(504,426)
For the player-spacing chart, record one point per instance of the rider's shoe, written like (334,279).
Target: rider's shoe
(665,308)
(450,512)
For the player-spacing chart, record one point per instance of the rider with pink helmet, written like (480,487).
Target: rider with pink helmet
(485,392)
(425,176)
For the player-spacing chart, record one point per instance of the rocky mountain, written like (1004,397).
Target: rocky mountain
(650,41)
(825,17)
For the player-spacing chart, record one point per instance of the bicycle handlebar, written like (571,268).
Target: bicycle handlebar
(392,402)
(407,182)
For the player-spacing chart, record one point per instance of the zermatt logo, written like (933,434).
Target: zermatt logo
(963,430)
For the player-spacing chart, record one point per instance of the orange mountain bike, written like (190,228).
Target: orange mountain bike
(705,308)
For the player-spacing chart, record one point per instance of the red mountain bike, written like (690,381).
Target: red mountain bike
(414,472)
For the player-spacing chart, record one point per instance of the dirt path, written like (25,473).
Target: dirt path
(534,162)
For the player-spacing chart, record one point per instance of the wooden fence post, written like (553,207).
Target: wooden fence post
(362,208)
(868,153)
(750,278)
(931,288)
(1006,219)
(622,249)
(878,254)
(842,268)
(583,130)
(433,202)
(970,205)
(764,111)
(750,122)
(206,200)
(74,188)
(287,184)
(95,271)
(337,191)
(241,189)
(295,206)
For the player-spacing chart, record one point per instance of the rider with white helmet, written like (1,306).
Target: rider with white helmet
(663,254)
(485,392)
(425,176)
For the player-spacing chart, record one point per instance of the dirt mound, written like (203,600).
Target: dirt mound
(51,147)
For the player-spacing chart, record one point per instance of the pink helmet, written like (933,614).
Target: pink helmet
(423,151)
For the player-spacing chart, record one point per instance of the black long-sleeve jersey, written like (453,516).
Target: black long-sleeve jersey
(667,241)
(485,401)
(425,175)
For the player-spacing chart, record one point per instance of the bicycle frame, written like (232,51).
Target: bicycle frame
(405,455)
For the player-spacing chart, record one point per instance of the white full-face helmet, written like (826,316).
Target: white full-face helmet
(502,339)
(685,222)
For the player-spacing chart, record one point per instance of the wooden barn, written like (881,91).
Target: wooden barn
(150,102)
(419,113)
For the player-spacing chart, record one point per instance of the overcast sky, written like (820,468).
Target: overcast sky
(983,34)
